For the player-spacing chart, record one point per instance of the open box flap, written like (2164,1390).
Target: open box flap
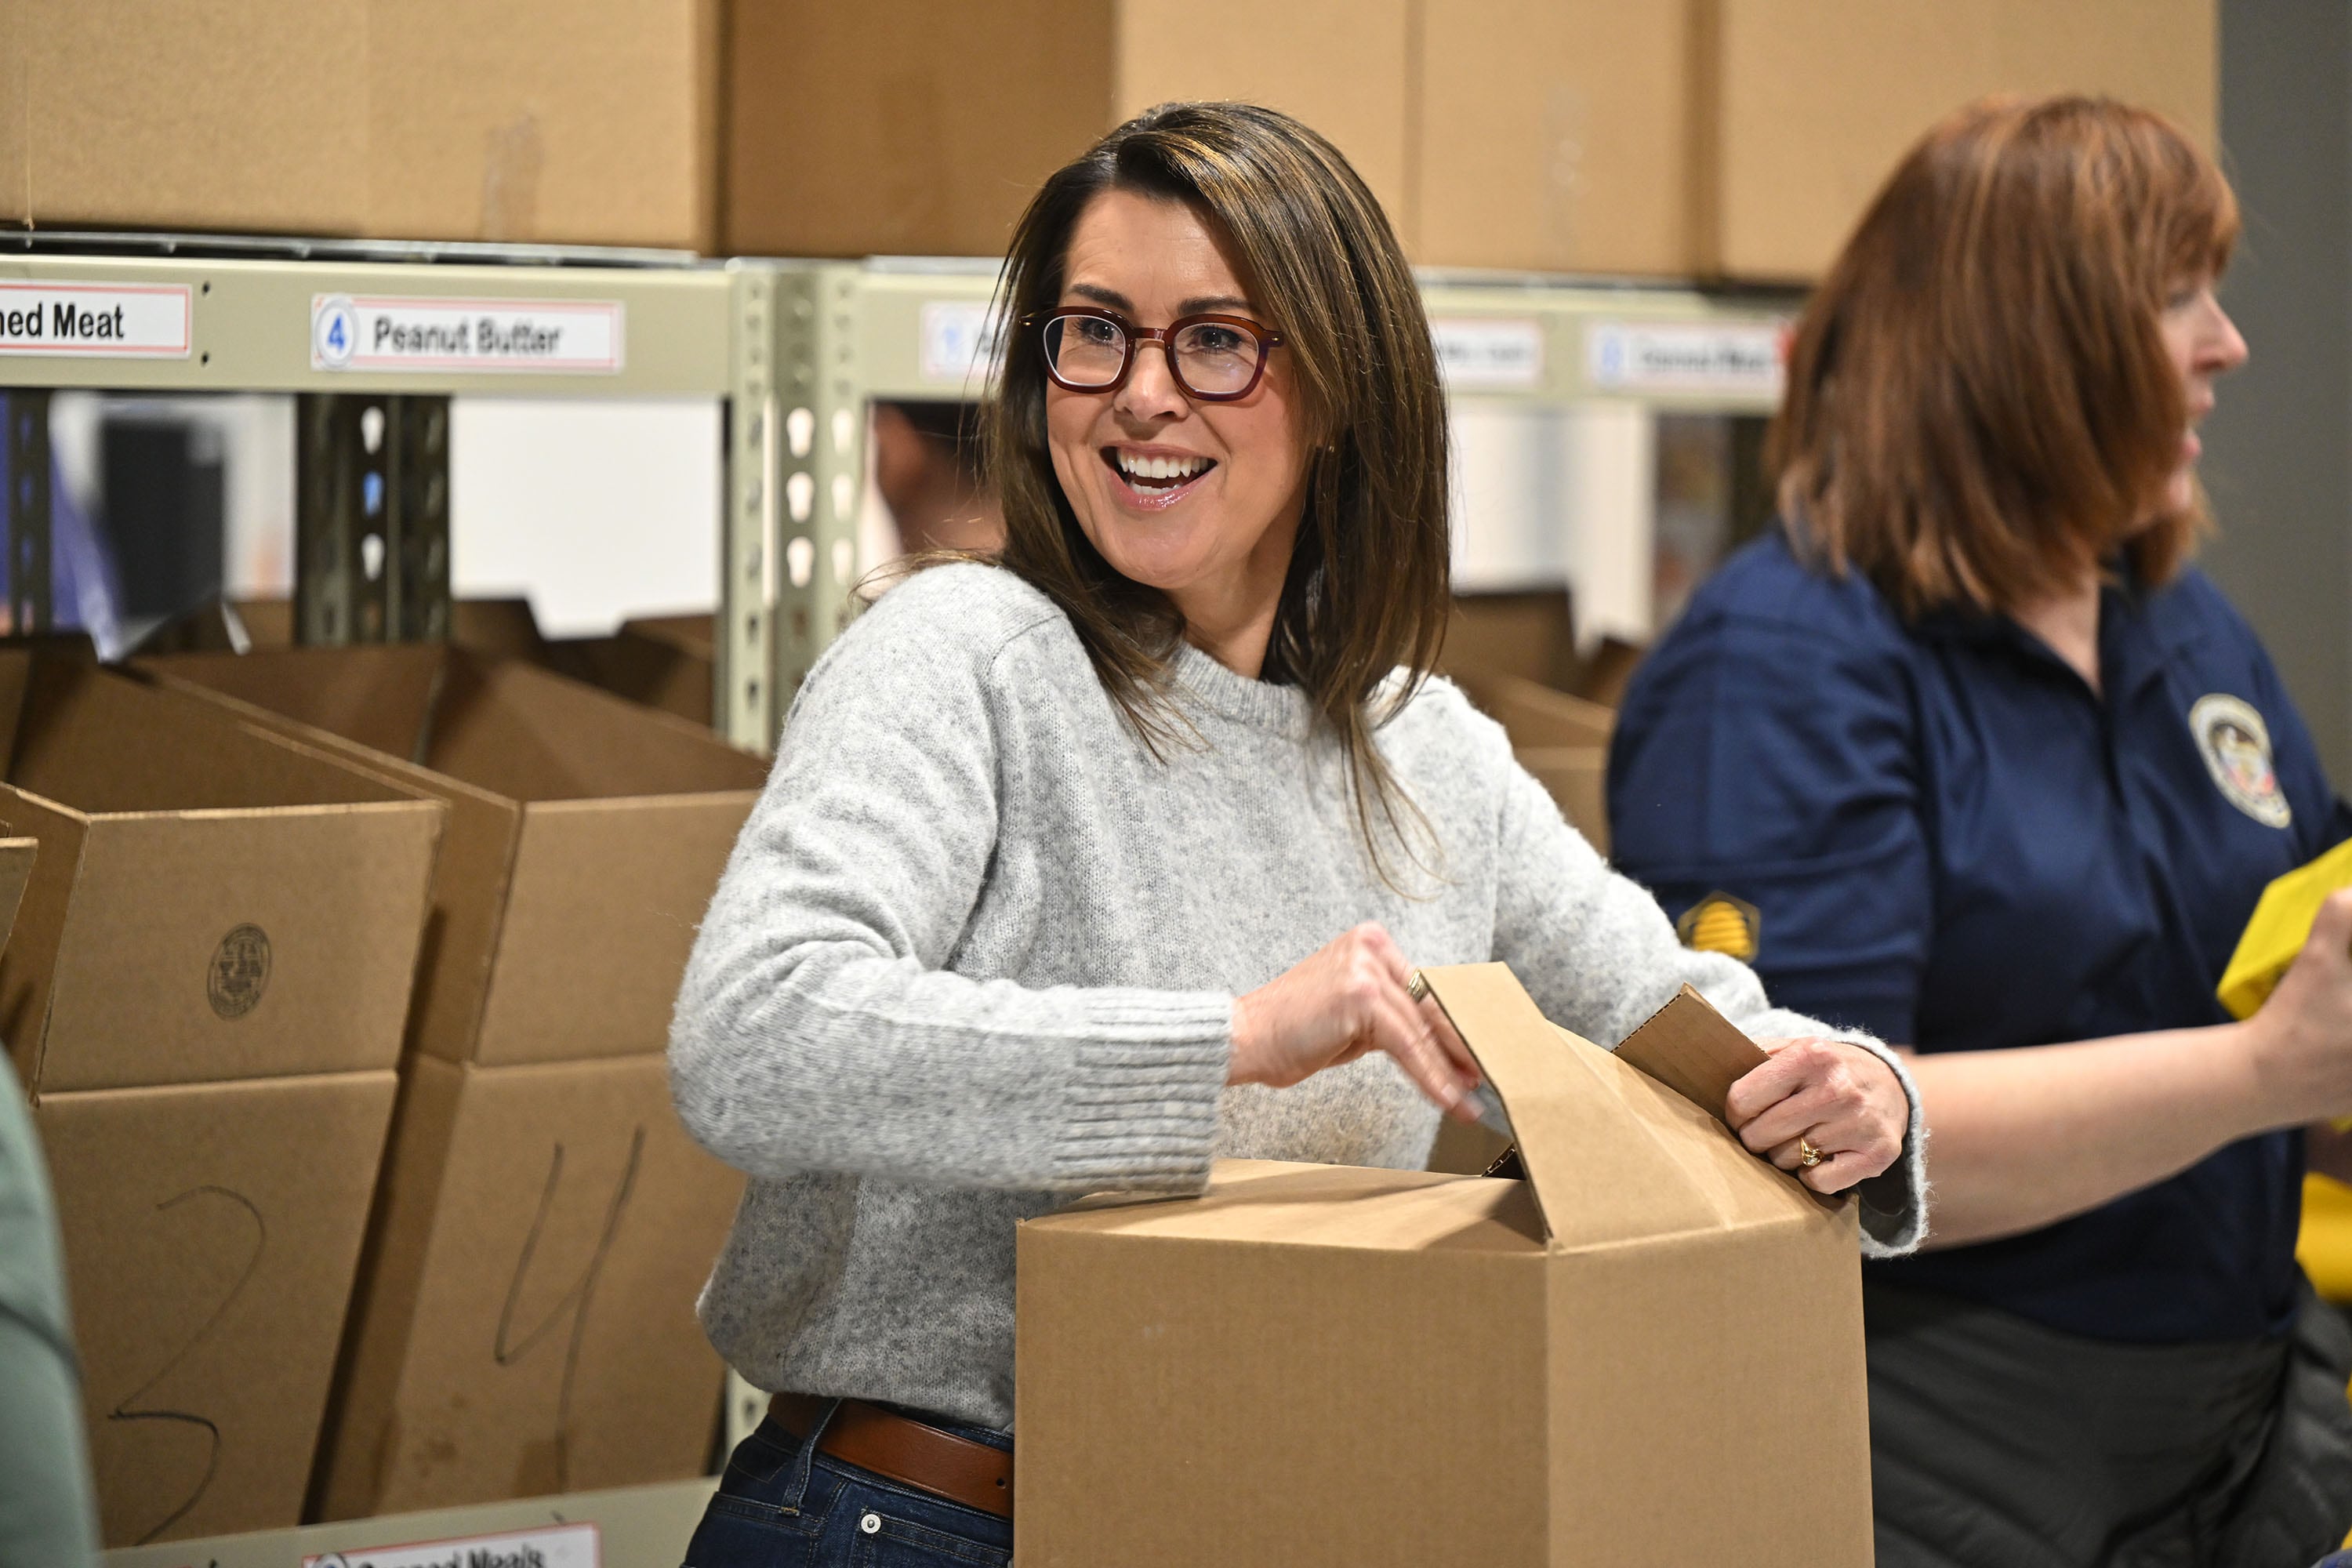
(1612,1154)
(1694,1050)
(380,696)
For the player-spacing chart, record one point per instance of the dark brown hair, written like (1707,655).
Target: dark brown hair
(1367,590)
(1980,408)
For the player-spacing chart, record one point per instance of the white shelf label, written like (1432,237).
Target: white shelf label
(100,320)
(543,337)
(1742,358)
(556,1546)
(962,344)
(1480,353)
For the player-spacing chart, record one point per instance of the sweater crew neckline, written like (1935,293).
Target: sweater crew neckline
(1260,704)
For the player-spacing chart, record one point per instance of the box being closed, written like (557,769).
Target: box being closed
(1648,1352)
(585,834)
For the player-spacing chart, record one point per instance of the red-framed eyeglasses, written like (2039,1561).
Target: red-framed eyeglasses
(1214,358)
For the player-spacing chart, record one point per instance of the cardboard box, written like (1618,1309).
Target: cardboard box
(1554,135)
(212,901)
(1651,1351)
(1531,634)
(1562,740)
(585,833)
(212,907)
(1736,138)
(925,126)
(210,1231)
(503,626)
(525,1322)
(666,662)
(571,121)
(1814,102)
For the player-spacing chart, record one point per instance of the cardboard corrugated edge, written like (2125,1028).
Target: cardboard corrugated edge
(1694,1050)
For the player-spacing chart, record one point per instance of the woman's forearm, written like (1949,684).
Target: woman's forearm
(2022,1138)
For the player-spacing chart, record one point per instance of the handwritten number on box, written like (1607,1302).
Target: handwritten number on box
(124,1411)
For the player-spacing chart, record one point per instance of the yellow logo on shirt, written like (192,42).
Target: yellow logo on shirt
(1721,923)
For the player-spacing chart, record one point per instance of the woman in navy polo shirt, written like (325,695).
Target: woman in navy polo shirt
(1964,753)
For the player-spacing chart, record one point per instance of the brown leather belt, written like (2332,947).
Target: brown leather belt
(904,1450)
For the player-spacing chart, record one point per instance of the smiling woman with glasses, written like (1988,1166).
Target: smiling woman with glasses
(1086,865)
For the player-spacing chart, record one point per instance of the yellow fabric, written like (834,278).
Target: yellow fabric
(2280,926)
(2281,921)
(2325,1248)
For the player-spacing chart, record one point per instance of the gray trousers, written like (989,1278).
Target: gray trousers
(1997,1443)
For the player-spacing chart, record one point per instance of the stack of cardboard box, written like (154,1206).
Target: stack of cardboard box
(1708,138)
(1675,138)
(524,1319)
(204,994)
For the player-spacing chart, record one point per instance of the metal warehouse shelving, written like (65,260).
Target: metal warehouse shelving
(794,350)
(844,332)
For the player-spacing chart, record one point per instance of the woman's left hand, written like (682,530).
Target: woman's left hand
(1837,1097)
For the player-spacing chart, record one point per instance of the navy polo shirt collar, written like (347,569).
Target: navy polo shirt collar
(2133,646)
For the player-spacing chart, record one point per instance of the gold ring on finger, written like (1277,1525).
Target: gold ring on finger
(1807,1155)
(1417,987)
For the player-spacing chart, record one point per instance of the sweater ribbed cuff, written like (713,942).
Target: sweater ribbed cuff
(1895,1202)
(1143,1095)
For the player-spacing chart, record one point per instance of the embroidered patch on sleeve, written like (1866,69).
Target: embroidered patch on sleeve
(1721,923)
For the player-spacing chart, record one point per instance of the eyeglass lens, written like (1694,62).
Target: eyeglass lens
(1211,358)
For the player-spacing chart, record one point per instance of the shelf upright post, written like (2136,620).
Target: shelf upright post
(371,518)
(419,593)
(744,700)
(25,511)
(819,466)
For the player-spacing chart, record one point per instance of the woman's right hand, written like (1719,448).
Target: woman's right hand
(1345,1000)
(2301,1040)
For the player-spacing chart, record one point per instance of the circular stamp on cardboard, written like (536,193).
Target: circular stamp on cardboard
(239,972)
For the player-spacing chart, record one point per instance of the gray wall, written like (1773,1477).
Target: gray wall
(2278,446)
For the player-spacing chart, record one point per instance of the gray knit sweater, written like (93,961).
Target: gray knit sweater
(976,953)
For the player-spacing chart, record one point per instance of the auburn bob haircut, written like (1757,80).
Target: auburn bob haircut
(1368,586)
(1980,408)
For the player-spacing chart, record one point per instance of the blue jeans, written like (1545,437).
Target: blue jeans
(782,1505)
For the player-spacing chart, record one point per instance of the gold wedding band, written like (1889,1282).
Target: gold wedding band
(1417,988)
(1807,1155)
